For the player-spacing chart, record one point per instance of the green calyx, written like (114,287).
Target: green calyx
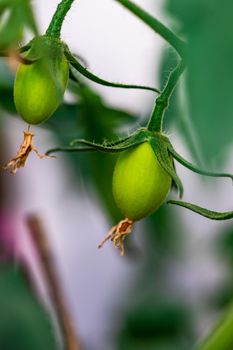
(80,145)
(165,155)
(158,142)
(43,46)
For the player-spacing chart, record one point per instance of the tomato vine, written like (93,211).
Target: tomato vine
(38,52)
(45,65)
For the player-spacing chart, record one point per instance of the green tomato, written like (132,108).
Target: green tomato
(39,87)
(140,184)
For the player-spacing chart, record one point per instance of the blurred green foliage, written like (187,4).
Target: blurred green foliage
(153,325)
(207,27)
(15,17)
(155,316)
(223,245)
(24,325)
(6,88)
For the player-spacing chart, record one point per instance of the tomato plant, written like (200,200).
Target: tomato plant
(145,172)
(40,84)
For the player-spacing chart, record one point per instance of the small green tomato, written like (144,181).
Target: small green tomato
(140,184)
(39,87)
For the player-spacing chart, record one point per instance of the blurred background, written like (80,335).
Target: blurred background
(176,277)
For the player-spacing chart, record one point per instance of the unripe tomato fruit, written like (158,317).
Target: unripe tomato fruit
(39,87)
(140,184)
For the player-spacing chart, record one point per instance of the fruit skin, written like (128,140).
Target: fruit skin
(39,87)
(140,184)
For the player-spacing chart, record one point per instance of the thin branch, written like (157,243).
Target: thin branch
(52,281)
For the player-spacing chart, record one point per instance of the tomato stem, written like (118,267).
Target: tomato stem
(55,25)
(89,75)
(178,44)
(162,101)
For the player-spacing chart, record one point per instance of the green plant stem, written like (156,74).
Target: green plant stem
(222,336)
(161,103)
(178,44)
(89,75)
(55,25)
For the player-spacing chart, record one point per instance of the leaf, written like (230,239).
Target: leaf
(24,324)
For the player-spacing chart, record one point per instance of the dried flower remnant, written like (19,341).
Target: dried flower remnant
(25,149)
(118,233)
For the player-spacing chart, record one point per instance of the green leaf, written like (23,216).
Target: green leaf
(24,324)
